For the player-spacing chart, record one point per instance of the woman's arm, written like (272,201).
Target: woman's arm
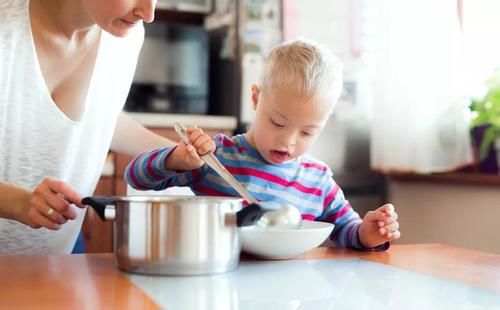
(132,138)
(12,201)
(33,207)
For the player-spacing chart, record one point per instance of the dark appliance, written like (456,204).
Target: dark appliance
(172,71)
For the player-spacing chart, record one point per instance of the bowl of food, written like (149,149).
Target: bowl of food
(283,243)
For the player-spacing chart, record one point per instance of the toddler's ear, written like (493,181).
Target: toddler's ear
(255,95)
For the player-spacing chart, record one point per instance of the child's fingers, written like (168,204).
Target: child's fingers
(387,229)
(387,220)
(387,208)
(207,146)
(202,142)
(386,214)
(394,235)
(194,134)
(376,216)
(391,218)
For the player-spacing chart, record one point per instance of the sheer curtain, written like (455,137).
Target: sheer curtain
(418,113)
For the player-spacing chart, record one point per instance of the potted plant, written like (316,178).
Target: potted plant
(485,123)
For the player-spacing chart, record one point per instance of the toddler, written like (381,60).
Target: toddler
(299,86)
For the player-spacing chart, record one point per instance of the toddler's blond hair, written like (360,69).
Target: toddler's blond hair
(305,66)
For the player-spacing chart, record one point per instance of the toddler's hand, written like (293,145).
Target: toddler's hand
(201,141)
(187,156)
(379,226)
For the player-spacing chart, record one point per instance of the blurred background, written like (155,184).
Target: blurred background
(417,124)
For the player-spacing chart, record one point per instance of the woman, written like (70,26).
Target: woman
(65,71)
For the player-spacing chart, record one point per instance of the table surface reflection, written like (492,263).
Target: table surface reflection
(314,285)
(424,276)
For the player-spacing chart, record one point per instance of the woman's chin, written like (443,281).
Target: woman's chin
(119,29)
(120,33)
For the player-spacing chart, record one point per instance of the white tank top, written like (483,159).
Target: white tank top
(38,140)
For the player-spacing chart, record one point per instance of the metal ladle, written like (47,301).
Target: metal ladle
(285,217)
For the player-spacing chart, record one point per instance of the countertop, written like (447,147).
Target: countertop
(453,178)
(417,276)
(168,120)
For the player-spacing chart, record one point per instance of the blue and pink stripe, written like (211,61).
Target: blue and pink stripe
(306,183)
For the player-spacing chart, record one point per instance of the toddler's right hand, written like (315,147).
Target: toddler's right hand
(187,156)
(50,204)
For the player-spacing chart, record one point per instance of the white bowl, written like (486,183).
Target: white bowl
(284,243)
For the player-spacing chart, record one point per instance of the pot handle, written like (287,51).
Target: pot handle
(100,204)
(249,215)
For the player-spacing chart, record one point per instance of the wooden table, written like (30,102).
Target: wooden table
(92,281)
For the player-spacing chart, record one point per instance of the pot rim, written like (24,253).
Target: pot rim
(163,198)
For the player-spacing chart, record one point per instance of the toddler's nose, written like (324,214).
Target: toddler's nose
(289,140)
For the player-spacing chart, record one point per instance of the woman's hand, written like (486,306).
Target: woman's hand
(50,204)
(379,226)
(187,156)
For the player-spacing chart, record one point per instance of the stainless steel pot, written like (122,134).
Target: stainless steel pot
(175,235)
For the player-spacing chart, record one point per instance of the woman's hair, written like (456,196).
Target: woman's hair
(305,66)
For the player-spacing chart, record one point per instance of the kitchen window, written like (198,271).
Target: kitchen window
(481,43)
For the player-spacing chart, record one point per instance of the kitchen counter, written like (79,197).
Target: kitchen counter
(423,276)
(159,120)
(455,178)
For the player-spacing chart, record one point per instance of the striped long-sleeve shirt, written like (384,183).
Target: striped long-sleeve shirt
(305,183)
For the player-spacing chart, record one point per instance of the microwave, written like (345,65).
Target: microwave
(172,71)
(197,6)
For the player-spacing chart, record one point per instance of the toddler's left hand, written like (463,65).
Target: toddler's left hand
(379,226)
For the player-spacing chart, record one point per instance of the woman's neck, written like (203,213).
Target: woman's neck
(62,18)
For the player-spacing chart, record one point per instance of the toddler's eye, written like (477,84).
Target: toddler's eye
(307,134)
(277,125)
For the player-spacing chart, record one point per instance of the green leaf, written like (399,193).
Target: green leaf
(486,112)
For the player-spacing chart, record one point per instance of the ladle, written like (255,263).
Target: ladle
(285,217)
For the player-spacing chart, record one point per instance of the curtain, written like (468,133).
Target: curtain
(418,120)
